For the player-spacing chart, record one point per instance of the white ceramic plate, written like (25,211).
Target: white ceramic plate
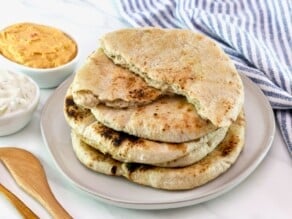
(118,191)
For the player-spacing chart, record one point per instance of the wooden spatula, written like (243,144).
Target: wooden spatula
(29,174)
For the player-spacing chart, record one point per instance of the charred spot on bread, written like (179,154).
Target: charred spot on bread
(73,110)
(116,137)
(132,167)
(114,170)
(229,146)
(137,93)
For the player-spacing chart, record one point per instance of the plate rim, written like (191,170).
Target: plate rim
(168,204)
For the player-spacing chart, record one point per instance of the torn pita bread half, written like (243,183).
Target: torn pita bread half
(183,62)
(128,148)
(99,80)
(168,119)
(178,178)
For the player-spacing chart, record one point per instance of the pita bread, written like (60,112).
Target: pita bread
(94,159)
(169,119)
(211,142)
(129,148)
(139,150)
(99,80)
(79,117)
(183,62)
(205,170)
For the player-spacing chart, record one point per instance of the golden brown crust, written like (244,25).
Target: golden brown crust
(210,167)
(82,116)
(183,62)
(169,119)
(129,148)
(93,159)
(178,178)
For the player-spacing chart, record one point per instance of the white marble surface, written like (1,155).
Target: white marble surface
(266,193)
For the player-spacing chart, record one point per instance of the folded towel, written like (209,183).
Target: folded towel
(257,35)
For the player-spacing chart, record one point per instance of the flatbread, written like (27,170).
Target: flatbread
(205,170)
(183,62)
(129,148)
(139,150)
(99,80)
(77,116)
(93,158)
(168,119)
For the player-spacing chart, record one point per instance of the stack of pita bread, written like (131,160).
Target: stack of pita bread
(162,108)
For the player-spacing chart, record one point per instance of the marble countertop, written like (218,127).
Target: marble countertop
(266,193)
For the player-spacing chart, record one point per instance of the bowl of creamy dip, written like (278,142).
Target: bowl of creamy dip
(19,98)
(46,54)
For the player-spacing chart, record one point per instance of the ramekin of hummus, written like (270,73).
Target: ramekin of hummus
(46,54)
(36,45)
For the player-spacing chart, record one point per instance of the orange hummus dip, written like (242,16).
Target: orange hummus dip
(36,45)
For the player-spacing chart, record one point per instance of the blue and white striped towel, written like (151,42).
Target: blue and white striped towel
(257,35)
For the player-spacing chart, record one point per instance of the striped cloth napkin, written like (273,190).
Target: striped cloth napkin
(257,35)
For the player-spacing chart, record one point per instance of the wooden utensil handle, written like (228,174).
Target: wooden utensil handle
(20,206)
(29,174)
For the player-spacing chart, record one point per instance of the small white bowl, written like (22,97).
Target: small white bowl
(14,121)
(45,78)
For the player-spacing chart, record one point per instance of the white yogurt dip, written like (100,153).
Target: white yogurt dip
(16,92)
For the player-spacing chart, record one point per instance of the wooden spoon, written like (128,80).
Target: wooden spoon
(29,174)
